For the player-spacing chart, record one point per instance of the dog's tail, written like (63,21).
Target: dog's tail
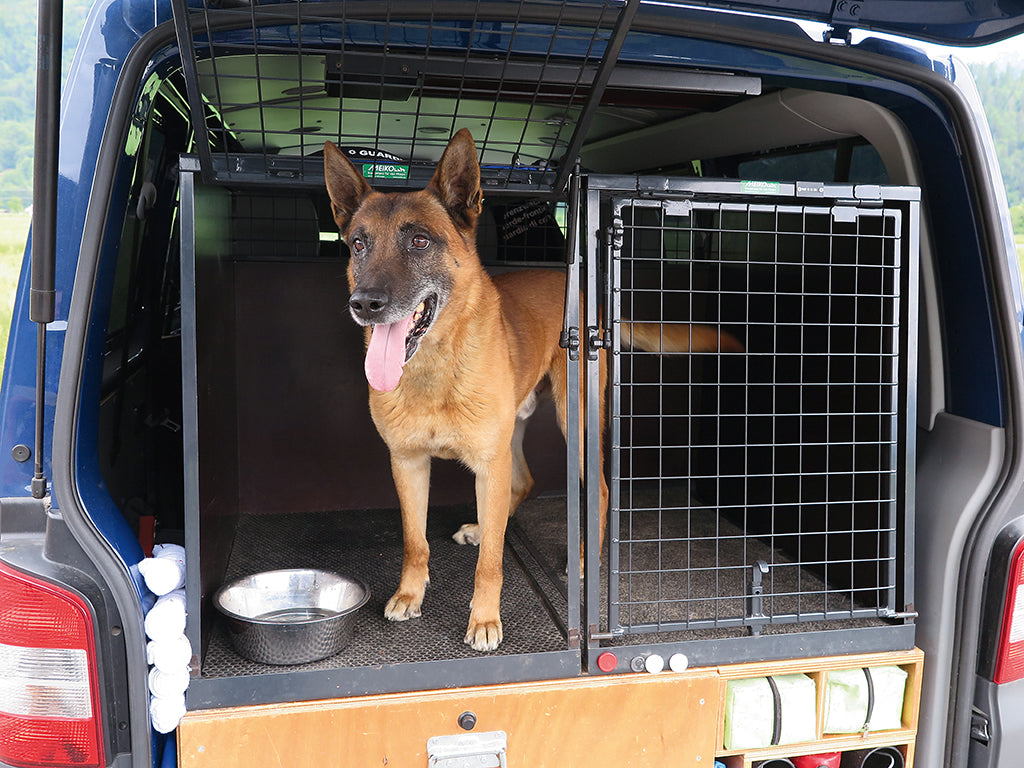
(677,337)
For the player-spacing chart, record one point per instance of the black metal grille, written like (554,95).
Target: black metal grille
(756,487)
(391,84)
(269,82)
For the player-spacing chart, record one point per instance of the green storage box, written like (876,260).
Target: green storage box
(852,706)
(758,716)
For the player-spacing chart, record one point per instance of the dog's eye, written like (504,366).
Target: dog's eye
(419,242)
(358,246)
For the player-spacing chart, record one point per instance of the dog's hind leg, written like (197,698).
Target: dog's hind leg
(559,376)
(412,481)
(522,480)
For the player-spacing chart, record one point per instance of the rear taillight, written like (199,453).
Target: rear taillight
(1010,655)
(49,693)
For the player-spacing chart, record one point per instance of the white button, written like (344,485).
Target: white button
(678,662)
(654,663)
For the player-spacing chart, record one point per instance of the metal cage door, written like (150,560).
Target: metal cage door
(760,482)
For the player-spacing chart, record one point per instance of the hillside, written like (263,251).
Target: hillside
(1002,89)
(17,91)
(1001,85)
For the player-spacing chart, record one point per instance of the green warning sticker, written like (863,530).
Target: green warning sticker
(761,187)
(385,171)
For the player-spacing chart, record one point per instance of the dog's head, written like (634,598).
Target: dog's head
(405,250)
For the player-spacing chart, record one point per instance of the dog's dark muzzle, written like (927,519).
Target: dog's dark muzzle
(368,304)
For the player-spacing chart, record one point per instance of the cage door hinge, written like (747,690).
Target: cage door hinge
(600,338)
(613,235)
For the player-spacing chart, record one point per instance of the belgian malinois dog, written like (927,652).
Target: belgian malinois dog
(455,357)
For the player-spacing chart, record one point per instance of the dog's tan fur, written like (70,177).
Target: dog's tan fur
(491,344)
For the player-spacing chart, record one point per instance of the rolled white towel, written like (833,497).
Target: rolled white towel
(166,712)
(168,684)
(164,572)
(169,653)
(167,618)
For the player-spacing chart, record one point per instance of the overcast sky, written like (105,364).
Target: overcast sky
(1011,50)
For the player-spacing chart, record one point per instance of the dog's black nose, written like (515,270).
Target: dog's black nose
(368,303)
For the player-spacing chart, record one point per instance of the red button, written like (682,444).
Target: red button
(607,662)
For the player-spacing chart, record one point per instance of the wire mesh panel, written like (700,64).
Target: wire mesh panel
(390,83)
(763,486)
(268,82)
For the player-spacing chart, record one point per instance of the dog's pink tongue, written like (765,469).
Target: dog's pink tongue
(385,355)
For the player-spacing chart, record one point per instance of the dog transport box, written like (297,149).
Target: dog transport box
(761,492)
(759,495)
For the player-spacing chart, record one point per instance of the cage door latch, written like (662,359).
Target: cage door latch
(468,750)
(755,597)
(570,340)
(597,340)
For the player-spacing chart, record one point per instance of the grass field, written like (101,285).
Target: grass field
(13,229)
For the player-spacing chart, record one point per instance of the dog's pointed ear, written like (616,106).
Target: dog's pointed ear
(345,184)
(457,179)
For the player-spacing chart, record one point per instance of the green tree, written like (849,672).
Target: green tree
(1017,218)
(17,86)
(1002,92)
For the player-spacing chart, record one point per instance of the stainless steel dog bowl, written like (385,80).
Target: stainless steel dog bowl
(291,616)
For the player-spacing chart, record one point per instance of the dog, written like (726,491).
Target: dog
(455,357)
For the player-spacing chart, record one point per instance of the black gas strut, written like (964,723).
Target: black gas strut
(44,204)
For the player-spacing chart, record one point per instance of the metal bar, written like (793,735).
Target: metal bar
(187,50)
(704,624)
(592,431)
(42,293)
(908,402)
(189,169)
(574,439)
(604,73)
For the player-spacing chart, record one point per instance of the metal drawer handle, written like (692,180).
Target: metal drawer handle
(468,750)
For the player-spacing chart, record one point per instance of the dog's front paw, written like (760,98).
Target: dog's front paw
(403,606)
(468,534)
(484,635)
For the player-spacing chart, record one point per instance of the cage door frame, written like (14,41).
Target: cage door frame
(838,201)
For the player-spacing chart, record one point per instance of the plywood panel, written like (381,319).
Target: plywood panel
(635,720)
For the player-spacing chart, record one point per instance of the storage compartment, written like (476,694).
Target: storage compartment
(769,711)
(901,719)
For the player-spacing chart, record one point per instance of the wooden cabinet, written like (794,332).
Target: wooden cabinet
(636,720)
(818,669)
(607,721)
